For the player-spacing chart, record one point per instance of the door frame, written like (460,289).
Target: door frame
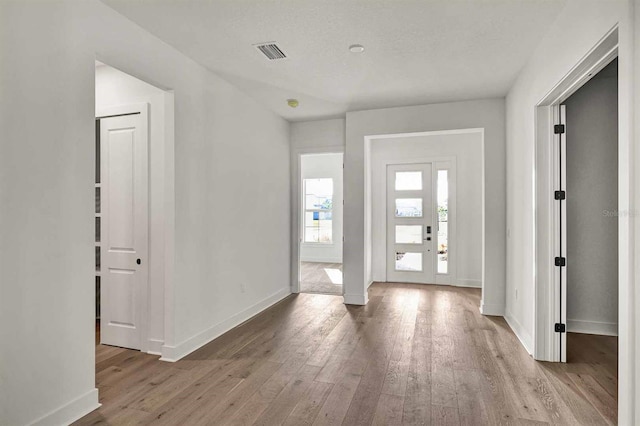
(297,206)
(436,164)
(143,110)
(549,282)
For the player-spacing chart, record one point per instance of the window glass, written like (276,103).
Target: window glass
(408,181)
(443,221)
(318,214)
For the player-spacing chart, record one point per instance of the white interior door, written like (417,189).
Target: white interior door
(124,229)
(410,228)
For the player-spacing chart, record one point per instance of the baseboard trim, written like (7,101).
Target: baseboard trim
(491,310)
(356,299)
(154,346)
(520,332)
(592,327)
(71,411)
(469,283)
(175,353)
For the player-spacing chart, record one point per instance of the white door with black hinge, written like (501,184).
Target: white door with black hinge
(124,229)
(410,227)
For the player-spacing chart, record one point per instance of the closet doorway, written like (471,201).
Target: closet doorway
(134,210)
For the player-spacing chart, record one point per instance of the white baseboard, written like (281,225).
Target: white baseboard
(356,299)
(522,335)
(592,327)
(175,353)
(71,411)
(491,310)
(469,283)
(154,346)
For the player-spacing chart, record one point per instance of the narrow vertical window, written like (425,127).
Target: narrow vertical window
(443,221)
(318,211)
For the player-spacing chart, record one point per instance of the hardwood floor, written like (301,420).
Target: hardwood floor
(414,355)
(324,278)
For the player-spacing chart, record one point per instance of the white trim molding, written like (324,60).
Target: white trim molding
(154,346)
(491,310)
(356,299)
(72,411)
(520,332)
(471,283)
(592,327)
(179,351)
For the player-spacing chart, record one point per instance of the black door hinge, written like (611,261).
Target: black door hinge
(558,129)
(559,195)
(560,328)
(561,261)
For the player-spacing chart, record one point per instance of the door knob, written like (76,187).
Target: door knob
(138,261)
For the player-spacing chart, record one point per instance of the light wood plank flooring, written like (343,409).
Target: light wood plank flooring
(414,355)
(324,278)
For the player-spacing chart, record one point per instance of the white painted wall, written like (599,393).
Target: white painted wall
(592,206)
(231,155)
(114,88)
(317,134)
(487,114)
(467,150)
(317,166)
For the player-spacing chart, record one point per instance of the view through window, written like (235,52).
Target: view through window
(318,210)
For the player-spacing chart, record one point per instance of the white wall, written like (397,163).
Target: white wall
(486,114)
(231,155)
(579,26)
(114,88)
(317,134)
(467,150)
(592,192)
(317,166)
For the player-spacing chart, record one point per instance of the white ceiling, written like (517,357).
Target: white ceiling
(417,51)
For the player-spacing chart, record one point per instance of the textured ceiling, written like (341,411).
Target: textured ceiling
(417,52)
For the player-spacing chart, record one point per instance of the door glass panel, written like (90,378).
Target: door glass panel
(443,221)
(409,207)
(408,181)
(408,261)
(408,234)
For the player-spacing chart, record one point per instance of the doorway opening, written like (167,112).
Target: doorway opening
(133,134)
(588,237)
(320,223)
(582,226)
(590,212)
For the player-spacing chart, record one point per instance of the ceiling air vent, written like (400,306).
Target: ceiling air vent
(270,50)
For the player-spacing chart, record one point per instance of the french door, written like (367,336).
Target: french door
(411,234)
